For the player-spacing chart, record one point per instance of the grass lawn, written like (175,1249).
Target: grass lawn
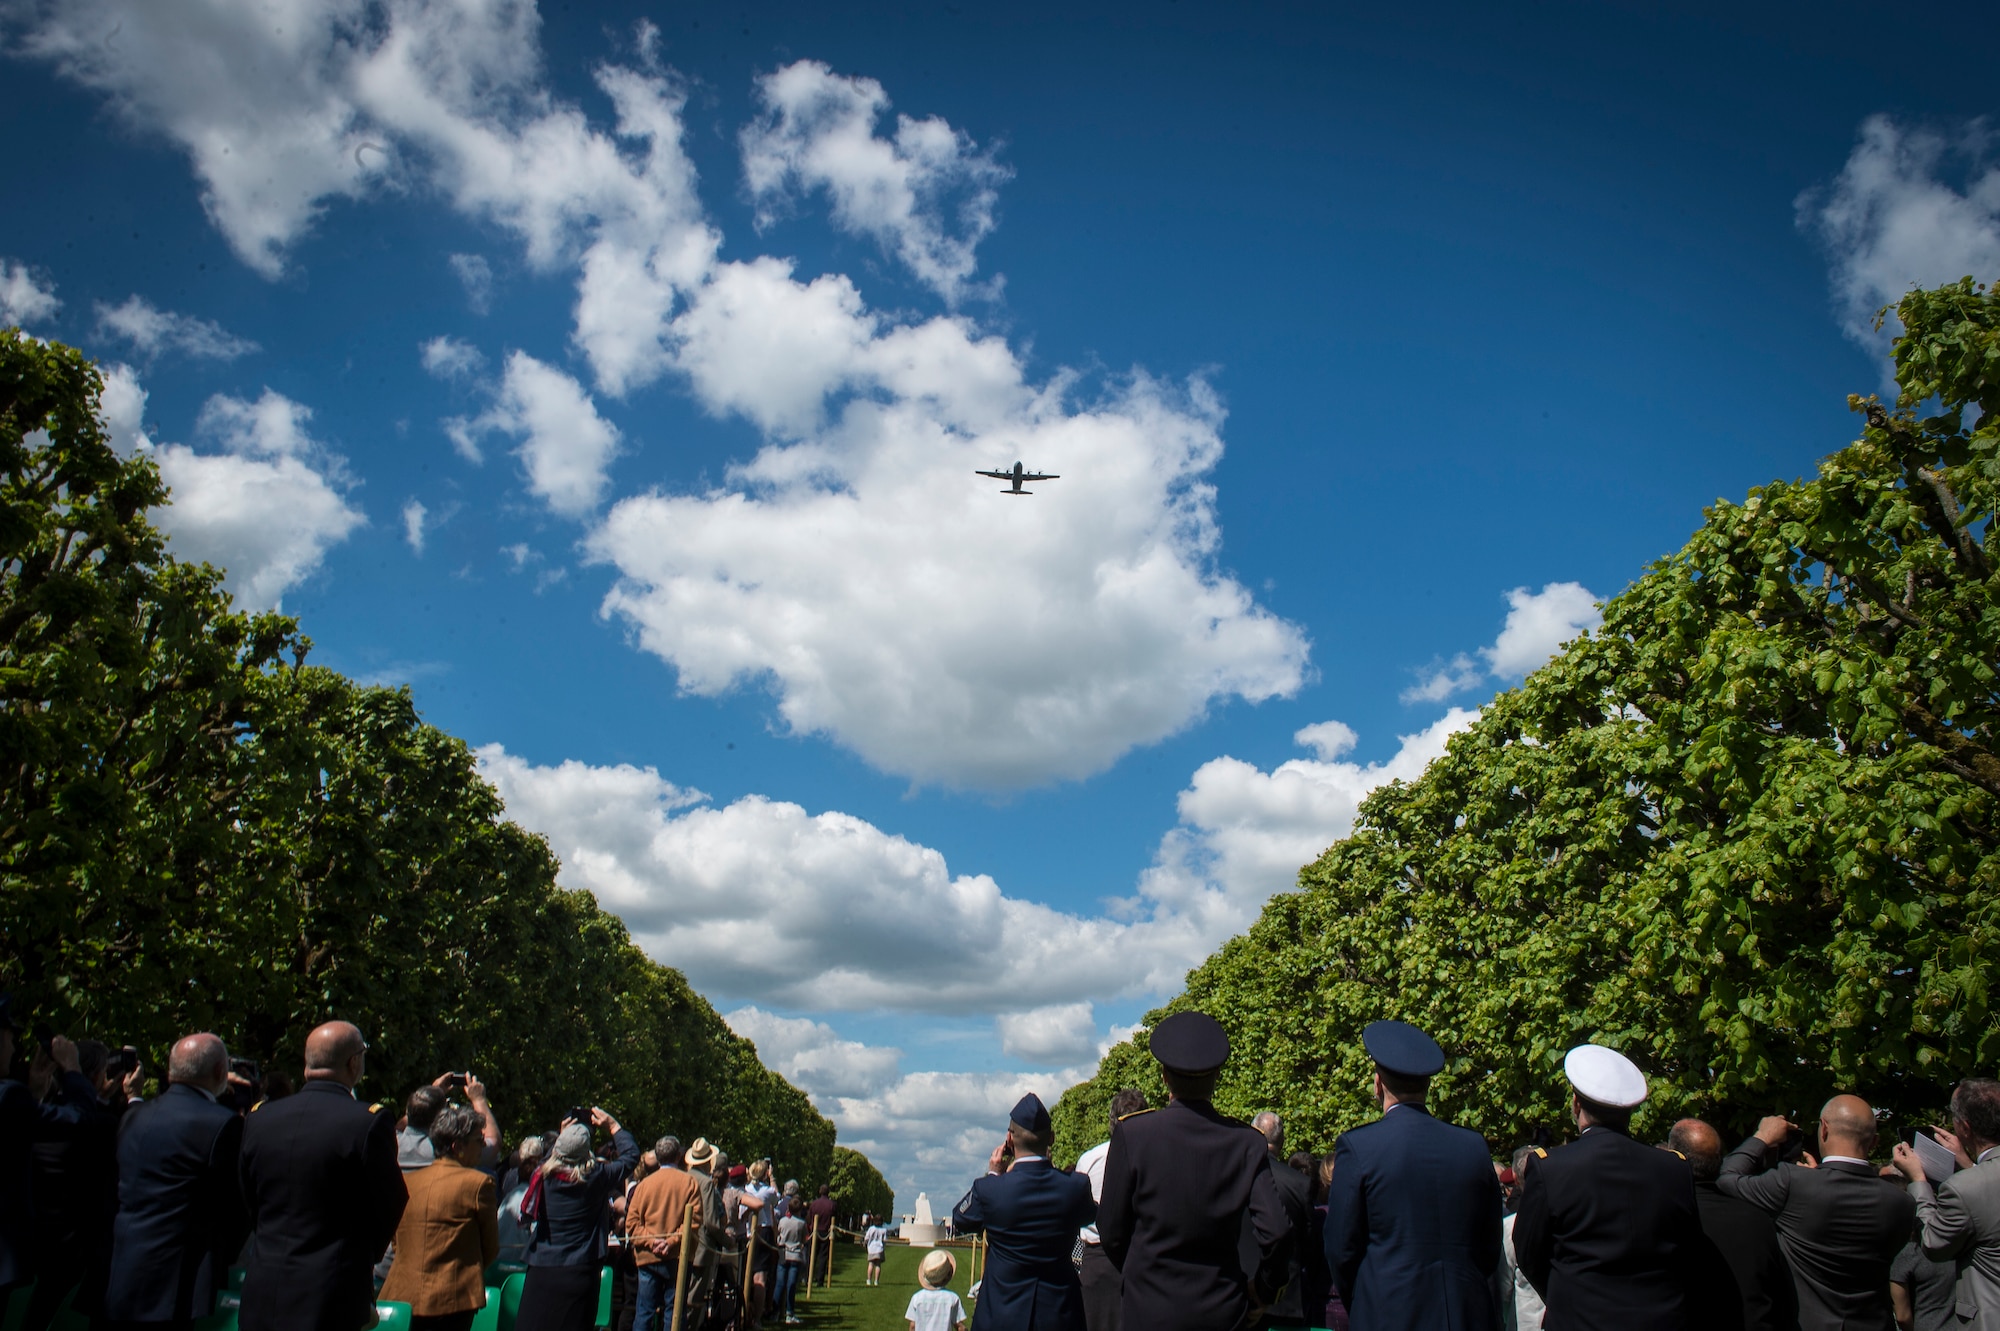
(849,1305)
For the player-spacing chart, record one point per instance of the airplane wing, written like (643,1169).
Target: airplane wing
(1038,476)
(996,475)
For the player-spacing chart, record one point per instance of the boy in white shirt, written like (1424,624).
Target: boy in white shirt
(935,1308)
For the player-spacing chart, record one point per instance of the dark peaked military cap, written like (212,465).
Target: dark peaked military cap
(1032,1114)
(1398,1047)
(1190,1043)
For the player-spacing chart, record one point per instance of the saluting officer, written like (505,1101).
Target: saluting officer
(1413,1218)
(1030,1212)
(1178,1183)
(324,1193)
(1608,1231)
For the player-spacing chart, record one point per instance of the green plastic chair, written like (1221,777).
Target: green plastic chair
(488,1318)
(392,1316)
(228,1302)
(510,1300)
(604,1297)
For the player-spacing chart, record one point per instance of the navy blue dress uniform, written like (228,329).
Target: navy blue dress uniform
(1030,1216)
(325,1194)
(1180,1186)
(1608,1230)
(1413,1216)
(180,1215)
(23,1122)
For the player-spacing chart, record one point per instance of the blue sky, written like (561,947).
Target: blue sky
(1369,348)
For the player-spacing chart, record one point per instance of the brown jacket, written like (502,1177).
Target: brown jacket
(656,1209)
(449,1235)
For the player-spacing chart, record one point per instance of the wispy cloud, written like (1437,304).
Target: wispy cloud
(152,330)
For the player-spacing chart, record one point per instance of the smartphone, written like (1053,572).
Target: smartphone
(456,1081)
(246,1068)
(580,1113)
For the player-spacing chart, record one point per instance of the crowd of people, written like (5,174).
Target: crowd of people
(132,1211)
(1184,1219)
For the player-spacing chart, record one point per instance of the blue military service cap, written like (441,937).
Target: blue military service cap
(1032,1114)
(1190,1043)
(1398,1047)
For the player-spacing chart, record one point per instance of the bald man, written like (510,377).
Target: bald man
(1839,1223)
(324,1192)
(180,1215)
(1744,1280)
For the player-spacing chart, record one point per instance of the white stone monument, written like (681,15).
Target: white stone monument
(921,1229)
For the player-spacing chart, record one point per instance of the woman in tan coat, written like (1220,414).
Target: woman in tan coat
(450,1231)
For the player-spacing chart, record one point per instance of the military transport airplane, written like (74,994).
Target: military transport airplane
(1017,476)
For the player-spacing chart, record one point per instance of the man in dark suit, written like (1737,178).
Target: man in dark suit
(24,1120)
(1413,1218)
(1747,1282)
(180,1214)
(1030,1212)
(1608,1232)
(324,1193)
(1179,1184)
(1288,1307)
(1839,1223)
(76,1195)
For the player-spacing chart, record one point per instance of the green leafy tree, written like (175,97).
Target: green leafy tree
(1745,832)
(858,1187)
(200,830)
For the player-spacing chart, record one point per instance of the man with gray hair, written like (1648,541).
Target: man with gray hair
(180,1214)
(1958,1217)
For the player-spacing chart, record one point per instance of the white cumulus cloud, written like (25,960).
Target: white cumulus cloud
(1894,218)
(475,274)
(24,297)
(926,194)
(265,508)
(811,1056)
(152,330)
(565,446)
(1245,833)
(901,606)
(451,358)
(414,514)
(1058,1035)
(1537,625)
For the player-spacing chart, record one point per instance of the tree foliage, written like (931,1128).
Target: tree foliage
(200,830)
(859,1188)
(1745,832)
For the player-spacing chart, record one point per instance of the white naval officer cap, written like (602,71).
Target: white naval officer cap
(1604,1075)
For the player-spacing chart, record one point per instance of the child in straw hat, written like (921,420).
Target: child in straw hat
(935,1308)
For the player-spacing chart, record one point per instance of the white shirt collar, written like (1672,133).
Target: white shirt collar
(1024,1159)
(1987,1154)
(1841,1160)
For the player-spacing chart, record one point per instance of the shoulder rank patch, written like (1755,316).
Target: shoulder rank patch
(259,1105)
(374,1109)
(1136,1113)
(1671,1151)
(1540,1154)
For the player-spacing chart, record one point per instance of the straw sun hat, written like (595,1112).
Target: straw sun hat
(935,1271)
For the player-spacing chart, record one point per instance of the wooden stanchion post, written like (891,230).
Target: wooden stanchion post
(749,1267)
(812,1254)
(687,1253)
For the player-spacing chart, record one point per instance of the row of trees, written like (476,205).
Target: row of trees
(1747,832)
(859,1187)
(200,830)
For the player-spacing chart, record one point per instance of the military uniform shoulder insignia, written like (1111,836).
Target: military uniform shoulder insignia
(259,1105)
(1136,1113)
(374,1109)
(1540,1154)
(1672,1151)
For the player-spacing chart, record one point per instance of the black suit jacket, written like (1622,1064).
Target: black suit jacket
(1749,1283)
(180,1215)
(325,1195)
(1413,1224)
(1608,1234)
(1295,1193)
(1030,1216)
(1840,1226)
(23,1122)
(1178,1183)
